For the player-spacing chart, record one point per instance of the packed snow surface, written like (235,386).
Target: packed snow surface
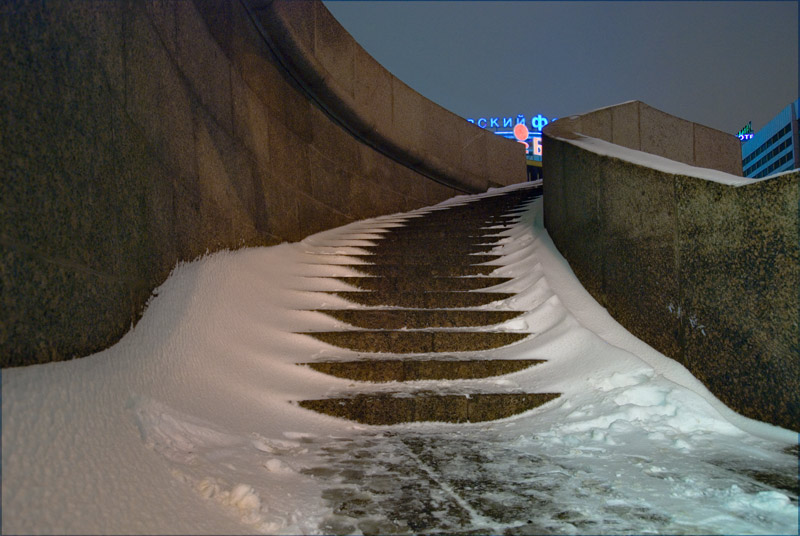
(188,425)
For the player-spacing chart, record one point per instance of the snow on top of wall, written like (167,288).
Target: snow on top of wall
(659,163)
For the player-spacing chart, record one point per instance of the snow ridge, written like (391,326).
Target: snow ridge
(188,425)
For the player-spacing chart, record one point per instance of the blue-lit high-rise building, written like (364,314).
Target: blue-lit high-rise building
(774,148)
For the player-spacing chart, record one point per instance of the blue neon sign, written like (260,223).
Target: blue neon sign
(536,122)
(533,142)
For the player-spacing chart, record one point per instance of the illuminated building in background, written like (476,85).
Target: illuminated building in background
(523,129)
(774,148)
(505,126)
(746,133)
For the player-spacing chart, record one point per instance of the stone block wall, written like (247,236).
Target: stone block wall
(636,125)
(137,134)
(706,273)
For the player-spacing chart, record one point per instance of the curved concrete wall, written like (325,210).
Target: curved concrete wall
(706,273)
(378,108)
(135,135)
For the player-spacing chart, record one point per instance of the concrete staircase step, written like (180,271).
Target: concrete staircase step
(405,370)
(445,218)
(386,409)
(428,270)
(417,342)
(503,221)
(419,318)
(465,212)
(445,232)
(433,284)
(422,300)
(411,271)
(486,232)
(422,247)
(422,244)
(435,257)
(486,206)
(458,243)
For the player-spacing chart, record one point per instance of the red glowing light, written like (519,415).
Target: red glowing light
(521,132)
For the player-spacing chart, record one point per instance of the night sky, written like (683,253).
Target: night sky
(721,64)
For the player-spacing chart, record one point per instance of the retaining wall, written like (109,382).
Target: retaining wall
(706,273)
(134,135)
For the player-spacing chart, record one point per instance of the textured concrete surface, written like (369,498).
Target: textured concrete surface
(385,409)
(416,342)
(421,272)
(423,259)
(401,370)
(416,248)
(706,273)
(400,284)
(139,134)
(740,284)
(419,318)
(423,300)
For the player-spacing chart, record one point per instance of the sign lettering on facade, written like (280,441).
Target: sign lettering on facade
(506,127)
(746,133)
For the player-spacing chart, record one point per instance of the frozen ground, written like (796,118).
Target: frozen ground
(187,424)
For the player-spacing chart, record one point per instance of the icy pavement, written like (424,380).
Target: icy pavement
(489,481)
(190,423)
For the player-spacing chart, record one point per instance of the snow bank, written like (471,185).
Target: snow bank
(187,425)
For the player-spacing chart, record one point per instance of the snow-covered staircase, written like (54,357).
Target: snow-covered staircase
(420,294)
